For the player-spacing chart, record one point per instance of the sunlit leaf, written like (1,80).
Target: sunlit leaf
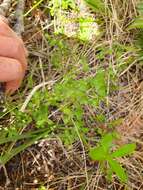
(119,171)
(106,141)
(97,154)
(124,150)
(138,23)
(96,5)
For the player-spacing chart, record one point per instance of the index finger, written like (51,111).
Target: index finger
(5,30)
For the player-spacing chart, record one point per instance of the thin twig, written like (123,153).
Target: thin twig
(6,175)
(35,89)
(19,26)
(84,154)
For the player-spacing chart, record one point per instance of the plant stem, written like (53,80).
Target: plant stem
(19,26)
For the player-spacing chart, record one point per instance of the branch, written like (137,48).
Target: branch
(19,26)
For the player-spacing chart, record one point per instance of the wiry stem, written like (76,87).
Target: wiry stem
(19,26)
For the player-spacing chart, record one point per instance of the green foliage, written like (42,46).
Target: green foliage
(40,116)
(55,5)
(87,28)
(99,82)
(36,4)
(29,139)
(104,154)
(96,5)
(124,151)
(80,91)
(56,109)
(70,97)
(138,22)
(42,188)
(62,109)
(75,24)
(118,169)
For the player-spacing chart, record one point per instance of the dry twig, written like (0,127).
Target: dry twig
(19,26)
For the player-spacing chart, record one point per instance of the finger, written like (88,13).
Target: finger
(5,30)
(4,19)
(12,48)
(10,69)
(12,86)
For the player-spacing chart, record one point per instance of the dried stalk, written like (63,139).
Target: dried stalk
(19,26)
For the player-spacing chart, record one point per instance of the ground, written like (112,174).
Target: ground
(81,99)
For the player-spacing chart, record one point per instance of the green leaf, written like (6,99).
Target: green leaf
(99,83)
(119,171)
(17,137)
(96,5)
(11,152)
(84,63)
(138,23)
(124,151)
(6,157)
(42,188)
(140,8)
(106,141)
(97,154)
(69,136)
(109,174)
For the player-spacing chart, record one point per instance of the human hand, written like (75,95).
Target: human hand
(13,63)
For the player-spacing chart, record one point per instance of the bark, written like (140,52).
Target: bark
(19,26)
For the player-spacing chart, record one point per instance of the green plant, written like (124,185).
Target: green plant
(76,23)
(36,4)
(79,86)
(42,188)
(66,101)
(108,158)
(138,22)
(96,5)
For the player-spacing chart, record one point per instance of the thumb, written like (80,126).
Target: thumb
(4,19)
